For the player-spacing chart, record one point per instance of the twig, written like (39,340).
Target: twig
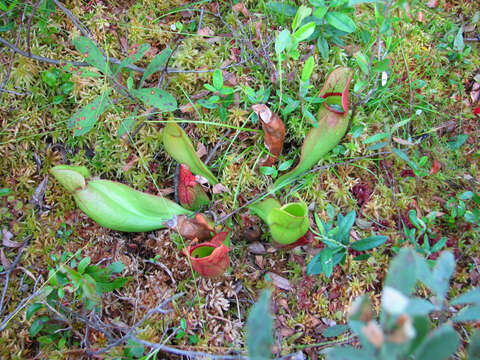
(164,268)
(9,272)
(14,92)
(29,24)
(215,148)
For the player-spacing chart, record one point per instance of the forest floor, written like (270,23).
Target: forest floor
(424,100)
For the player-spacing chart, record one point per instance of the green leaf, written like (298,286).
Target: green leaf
(474,346)
(401,155)
(126,126)
(441,274)
(315,266)
(344,224)
(157,98)
(402,273)
(180,147)
(420,307)
(470,297)
(291,107)
(379,66)
(268,170)
(458,142)
(458,44)
(375,138)
(326,257)
(347,353)
(285,165)
(133,58)
(116,267)
(282,42)
(467,195)
(260,329)
(439,345)
(156,64)
(362,61)
(49,78)
(334,331)
(302,12)
(323,48)
(340,21)
(3,7)
(82,265)
(85,119)
(281,8)
(308,69)
(38,325)
(5,191)
(209,87)
(91,54)
(369,242)
(304,31)
(218,79)
(67,87)
(468,313)
(32,309)
(421,324)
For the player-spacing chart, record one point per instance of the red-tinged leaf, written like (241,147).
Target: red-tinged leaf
(436,166)
(274,132)
(196,228)
(476,111)
(190,194)
(240,7)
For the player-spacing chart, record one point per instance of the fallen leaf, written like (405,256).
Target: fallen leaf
(196,228)
(279,281)
(258,30)
(257,248)
(240,7)
(5,262)
(205,31)
(187,108)
(37,197)
(421,16)
(402,141)
(129,164)
(432,4)
(259,261)
(7,241)
(219,188)
(436,166)
(201,150)
(274,132)
(286,332)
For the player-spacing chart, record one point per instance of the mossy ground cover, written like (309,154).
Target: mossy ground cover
(428,82)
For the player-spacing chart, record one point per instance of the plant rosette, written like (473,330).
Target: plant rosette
(210,258)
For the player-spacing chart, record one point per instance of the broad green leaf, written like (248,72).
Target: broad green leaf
(291,107)
(401,155)
(302,12)
(308,69)
(402,273)
(334,331)
(82,265)
(345,223)
(340,21)
(180,147)
(326,257)
(282,42)
(323,48)
(382,65)
(375,138)
(32,309)
(458,142)
(157,98)
(86,118)
(218,79)
(470,297)
(441,274)
(421,324)
(362,61)
(474,346)
(133,58)
(260,329)
(439,345)
(104,287)
(38,325)
(347,353)
(126,125)
(91,54)
(116,267)
(282,8)
(315,266)
(468,313)
(369,242)
(156,64)
(4,191)
(458,43)
(304,31)
(285,165)
(419,307)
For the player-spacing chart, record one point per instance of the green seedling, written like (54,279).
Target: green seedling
(222,96)
(180,147)
(114,205)
(59,83)
(332,124)
(287,223)
(273,171)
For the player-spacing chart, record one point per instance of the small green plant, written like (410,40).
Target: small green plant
(63,233)
(85,119)
(59,83)
(422,235)
(404,329)
(222,96)
(336,238)
(273,171)
(419,165)
(457,210)
(454,44)
(74,285)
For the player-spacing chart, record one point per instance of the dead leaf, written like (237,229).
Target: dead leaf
(373,333)
(257,248)
(432,4)
(240,7)
(37,197)
(258,30)
(259,261)
(205,31)
(166,191)
(279,281)
(436,166)
(129,164)
(286,332)
(218,189)
(201,150)
(5,262)
(402,141)
(274,132)
(7,241)
(475,93)
(187,108)
(421,16)
(196,228)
